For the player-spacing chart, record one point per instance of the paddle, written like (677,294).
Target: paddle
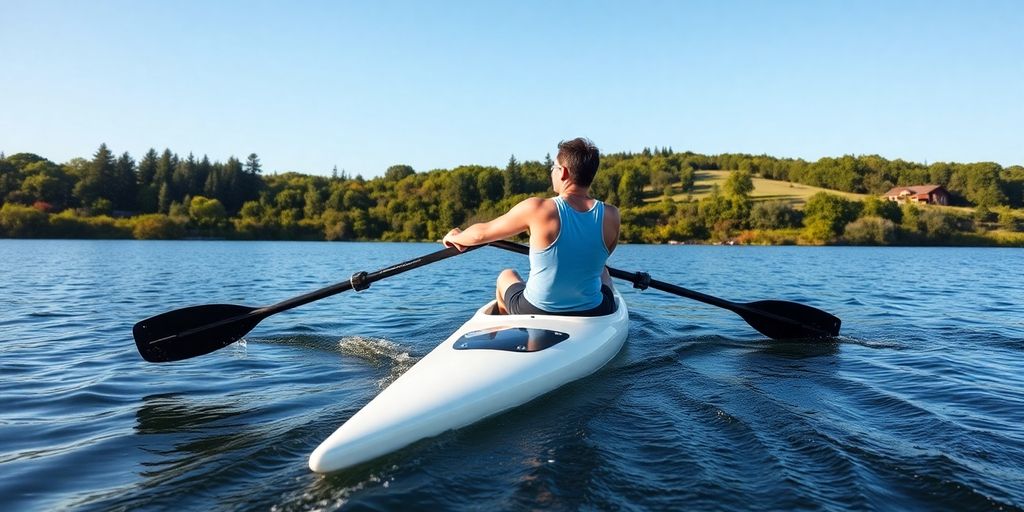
(777,319)
(198,330)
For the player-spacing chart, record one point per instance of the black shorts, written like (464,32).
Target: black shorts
(518,305)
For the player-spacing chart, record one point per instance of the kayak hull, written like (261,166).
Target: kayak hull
(491,364)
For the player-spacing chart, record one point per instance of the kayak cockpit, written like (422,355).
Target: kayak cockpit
(511,339)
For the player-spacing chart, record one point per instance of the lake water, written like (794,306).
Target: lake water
(919,405)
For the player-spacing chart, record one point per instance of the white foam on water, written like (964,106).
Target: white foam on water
(381,353)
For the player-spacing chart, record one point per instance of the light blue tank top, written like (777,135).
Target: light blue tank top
(566,276)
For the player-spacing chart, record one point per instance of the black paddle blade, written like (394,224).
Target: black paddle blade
(192,331)
(783,320)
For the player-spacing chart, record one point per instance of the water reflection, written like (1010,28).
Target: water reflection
(188,433)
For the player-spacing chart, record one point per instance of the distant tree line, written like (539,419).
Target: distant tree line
(163,195)
(110,183)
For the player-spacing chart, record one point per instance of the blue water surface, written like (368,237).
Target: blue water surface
(918,406)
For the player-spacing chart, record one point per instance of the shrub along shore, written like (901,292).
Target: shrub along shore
(665,197)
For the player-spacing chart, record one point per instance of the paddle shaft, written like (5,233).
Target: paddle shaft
(334,289)
(367,279)
(198,330)
(638,279)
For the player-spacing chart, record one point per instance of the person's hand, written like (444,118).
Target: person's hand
(449,241)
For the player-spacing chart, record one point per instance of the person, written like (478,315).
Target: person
(571,237)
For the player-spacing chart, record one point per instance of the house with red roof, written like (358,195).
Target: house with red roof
(930,194)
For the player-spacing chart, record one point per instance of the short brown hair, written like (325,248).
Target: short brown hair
(582,158)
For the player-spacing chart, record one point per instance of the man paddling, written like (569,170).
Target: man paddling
(571,237)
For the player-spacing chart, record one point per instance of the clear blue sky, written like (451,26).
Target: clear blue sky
(364,85)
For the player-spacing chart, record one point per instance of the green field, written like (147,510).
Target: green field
(774,190)
(764,189)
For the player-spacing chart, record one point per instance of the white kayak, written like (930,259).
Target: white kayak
(491,364)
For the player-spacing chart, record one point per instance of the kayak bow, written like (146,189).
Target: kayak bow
(491,364)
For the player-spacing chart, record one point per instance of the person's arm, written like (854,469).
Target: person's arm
(611,227)
(513,222)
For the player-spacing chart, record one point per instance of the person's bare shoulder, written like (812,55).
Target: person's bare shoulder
(536,207)
(531,203)
(612,212)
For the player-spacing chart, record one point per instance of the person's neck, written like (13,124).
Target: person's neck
(574,192)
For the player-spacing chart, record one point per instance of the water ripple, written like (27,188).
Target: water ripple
(916,407)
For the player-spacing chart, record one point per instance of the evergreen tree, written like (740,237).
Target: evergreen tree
(252,164)
(98,179)
(202,173)
(513,177)
(148,190)
(183,178)
(239,184)
(147,168)
(164,199)
(214,182)
(125,183)
(165,169)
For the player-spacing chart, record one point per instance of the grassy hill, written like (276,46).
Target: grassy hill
(774,190)
(764,189)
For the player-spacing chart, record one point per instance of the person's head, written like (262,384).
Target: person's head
(580,158)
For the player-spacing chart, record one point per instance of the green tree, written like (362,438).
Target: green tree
(983,214)
(871,231)
(183,180)
(979,184)
(45,188)
(715,213)
(773,215)
(1008,220)
(164,198)
(10,179)
(513,177)
(147,198)
(356,198)
(206,212)
(461,190)
(19,221)
(875,207)
(314,202)
(125,183)
(489,184)
(48,182)
(825,216)
(252,164)
(147,168)
(165,168)
(397,172)
(1012,179)
(291,199)
(911,216)
(936,224)
(606,185)
(252,210)
(738,184)
(630,191)
(98,180)
(155,226)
